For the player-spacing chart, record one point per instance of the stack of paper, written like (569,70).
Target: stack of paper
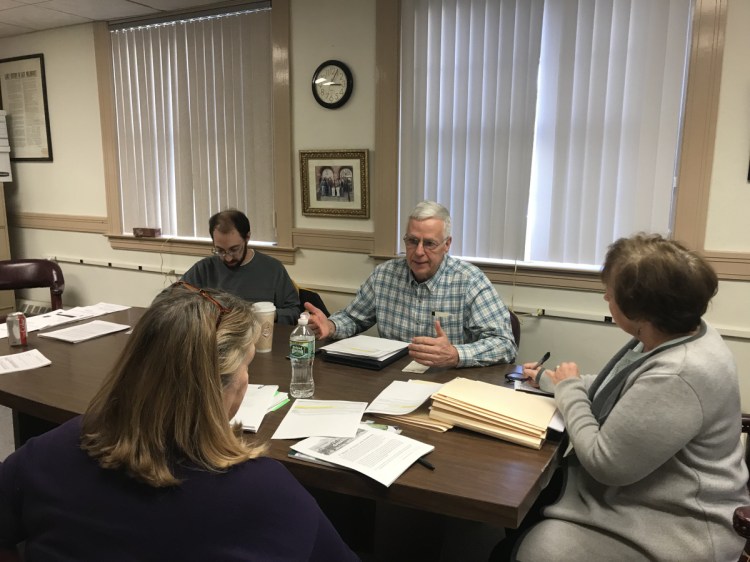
(365,351)
(401,402)
(494,410)
(258,400)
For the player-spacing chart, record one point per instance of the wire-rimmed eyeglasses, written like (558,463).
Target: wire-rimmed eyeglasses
(428,244)
(222,253)
(222,309)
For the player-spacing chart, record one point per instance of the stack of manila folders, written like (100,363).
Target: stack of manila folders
(497,411)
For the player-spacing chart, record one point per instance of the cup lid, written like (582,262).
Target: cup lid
(263,306)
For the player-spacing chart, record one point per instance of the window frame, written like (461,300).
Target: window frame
(694,171)
(282,149)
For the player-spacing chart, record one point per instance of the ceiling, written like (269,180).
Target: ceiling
(26,16)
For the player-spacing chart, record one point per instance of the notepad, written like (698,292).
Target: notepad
(367,352)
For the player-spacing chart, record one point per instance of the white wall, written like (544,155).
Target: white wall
(74,184)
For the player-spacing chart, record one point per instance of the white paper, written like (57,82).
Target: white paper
(402,397)
(365,346)
(381,455)
(257,401)
(23,361)
(60,316)
(83,332)
(329,418)
(415,367)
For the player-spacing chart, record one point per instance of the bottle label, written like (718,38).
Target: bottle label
(302,349)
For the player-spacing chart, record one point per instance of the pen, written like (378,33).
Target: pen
(541,362)
(425,463)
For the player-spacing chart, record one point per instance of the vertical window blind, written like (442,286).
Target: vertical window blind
(549,128)
(194,117)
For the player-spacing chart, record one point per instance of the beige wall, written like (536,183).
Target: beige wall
(74,184)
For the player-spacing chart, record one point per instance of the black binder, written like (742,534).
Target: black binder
(364,362)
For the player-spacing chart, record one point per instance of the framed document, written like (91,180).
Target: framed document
(23,95)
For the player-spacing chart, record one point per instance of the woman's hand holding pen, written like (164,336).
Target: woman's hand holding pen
(531,370)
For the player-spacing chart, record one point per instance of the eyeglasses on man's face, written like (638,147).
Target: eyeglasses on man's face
(220,307)
(428,244)
(235,251)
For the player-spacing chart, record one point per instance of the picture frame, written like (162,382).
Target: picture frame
(334,183)
(23,96)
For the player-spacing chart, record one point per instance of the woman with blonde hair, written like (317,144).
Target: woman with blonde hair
(656,466)
(153,470)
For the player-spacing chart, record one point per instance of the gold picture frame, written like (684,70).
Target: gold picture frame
(334,183)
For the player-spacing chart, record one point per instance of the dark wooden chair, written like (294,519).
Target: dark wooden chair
(33,273)
(742,513)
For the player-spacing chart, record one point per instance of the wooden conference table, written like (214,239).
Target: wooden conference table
(476,477)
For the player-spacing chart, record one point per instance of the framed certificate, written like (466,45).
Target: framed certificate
(23,95)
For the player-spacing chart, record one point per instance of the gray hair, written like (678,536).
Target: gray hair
(432,210)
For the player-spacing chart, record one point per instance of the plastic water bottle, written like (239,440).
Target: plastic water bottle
(302,355)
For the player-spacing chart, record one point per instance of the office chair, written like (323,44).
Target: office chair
(515,325)
(741,518)
(306,295)
(32,273)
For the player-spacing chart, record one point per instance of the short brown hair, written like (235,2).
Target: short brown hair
(162,403)
(659,280)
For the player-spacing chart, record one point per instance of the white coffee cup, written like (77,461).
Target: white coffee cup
(265,312)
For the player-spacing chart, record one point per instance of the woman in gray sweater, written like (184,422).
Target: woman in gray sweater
(655,466)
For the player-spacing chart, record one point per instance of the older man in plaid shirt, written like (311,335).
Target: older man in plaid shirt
(446,307)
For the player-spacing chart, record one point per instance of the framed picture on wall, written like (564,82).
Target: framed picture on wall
(23,96)
(334,183)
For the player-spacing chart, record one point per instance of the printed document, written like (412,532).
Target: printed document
(256,402)
(60,316)
(23,361)
(83,332)
(365,346)
(329,418)
(381,455)
(401,397)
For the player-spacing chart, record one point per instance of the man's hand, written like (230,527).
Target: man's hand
(434,352)
(321,326)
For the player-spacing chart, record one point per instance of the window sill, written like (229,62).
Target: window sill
(165,245)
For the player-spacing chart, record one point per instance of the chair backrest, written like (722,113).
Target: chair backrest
(515,325)
(306,295)
(33,273)
(742,514)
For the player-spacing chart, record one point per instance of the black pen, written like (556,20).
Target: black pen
(425,463)
(541,362)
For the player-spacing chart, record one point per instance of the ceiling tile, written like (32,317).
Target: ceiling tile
(7,30)
(99,9)
(39,18)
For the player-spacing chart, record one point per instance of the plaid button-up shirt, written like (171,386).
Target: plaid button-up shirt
(470,311)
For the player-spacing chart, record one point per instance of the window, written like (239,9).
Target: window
(548,128)
(194,119)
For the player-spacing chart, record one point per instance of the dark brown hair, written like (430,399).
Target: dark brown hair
(659,280)
(226,221)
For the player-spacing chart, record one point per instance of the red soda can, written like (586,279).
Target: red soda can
(16,324)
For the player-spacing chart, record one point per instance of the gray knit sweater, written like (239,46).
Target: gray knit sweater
(660,468)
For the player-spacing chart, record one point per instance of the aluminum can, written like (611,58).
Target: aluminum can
(16,323)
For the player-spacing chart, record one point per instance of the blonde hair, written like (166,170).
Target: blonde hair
(162,404)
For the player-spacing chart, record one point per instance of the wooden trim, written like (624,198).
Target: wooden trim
(282,129)
(334,240)
(699,125)
(187,247)
(387,86)
(104,78)
(730,265)
(69,223)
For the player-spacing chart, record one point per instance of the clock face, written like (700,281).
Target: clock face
(332,84)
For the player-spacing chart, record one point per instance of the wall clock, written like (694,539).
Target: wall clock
(332,84)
